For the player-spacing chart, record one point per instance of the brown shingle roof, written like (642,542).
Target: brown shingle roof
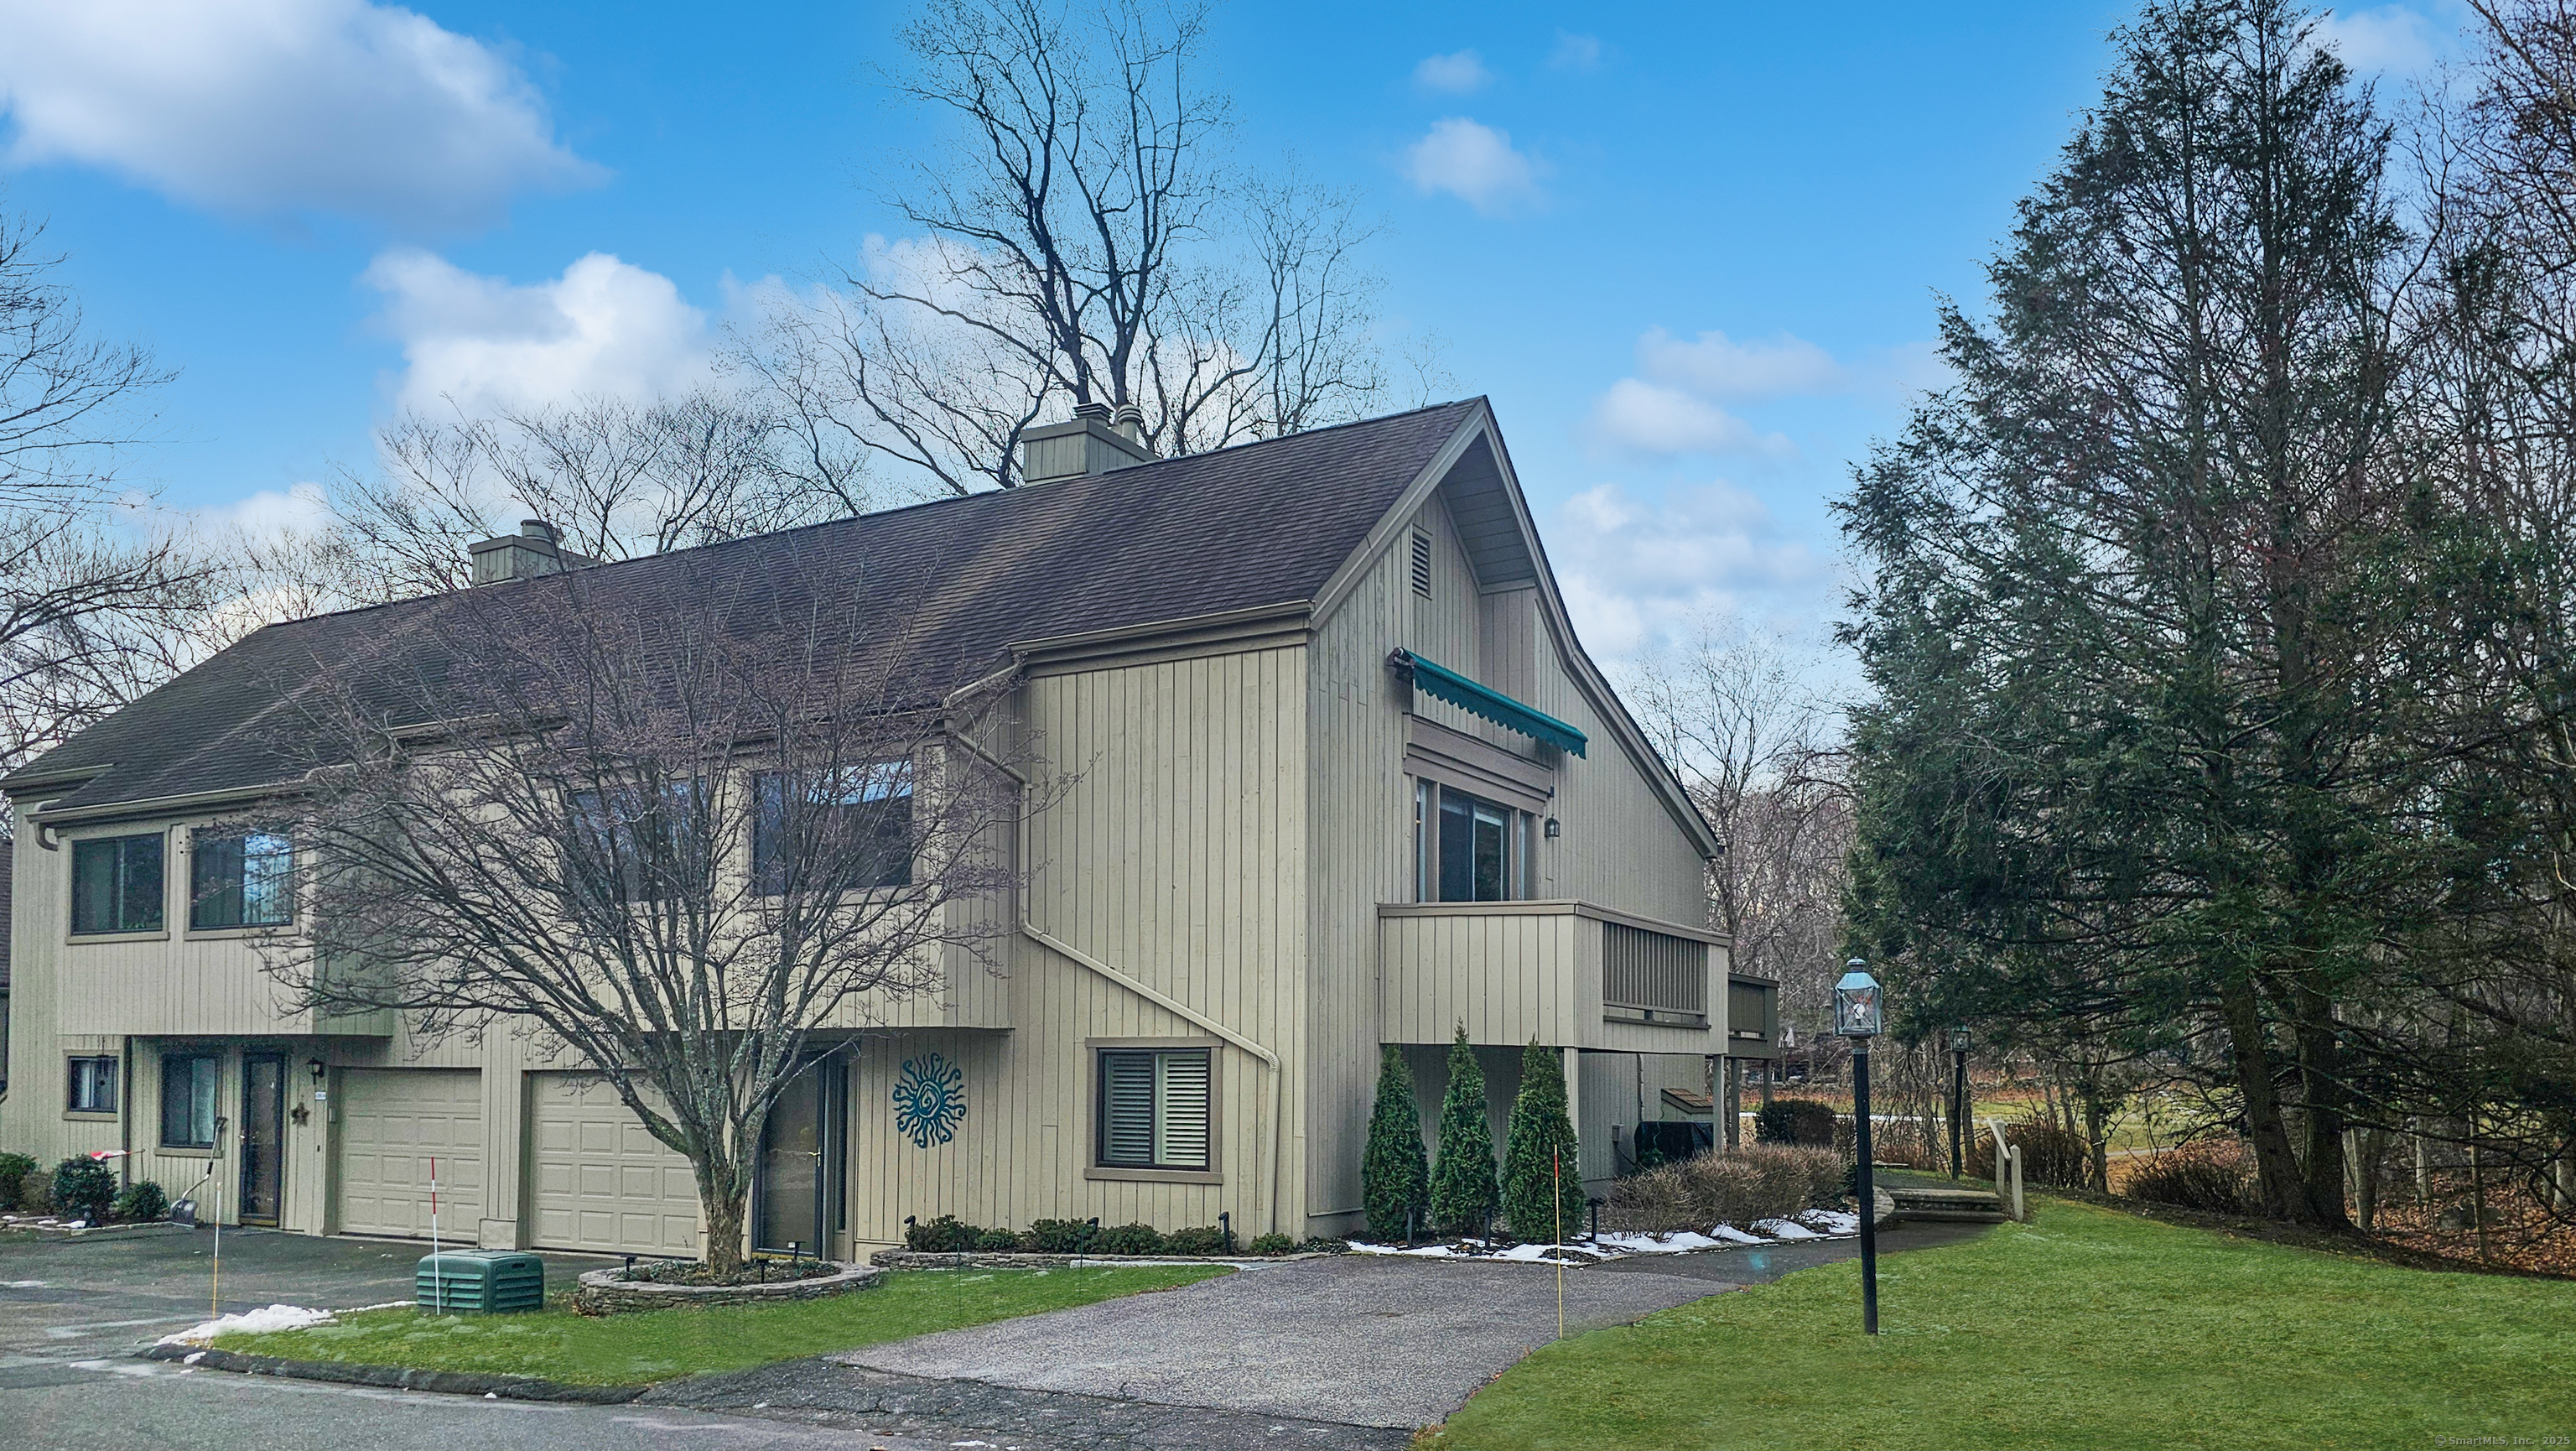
(955,583)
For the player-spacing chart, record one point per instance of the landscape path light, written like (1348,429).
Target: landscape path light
(1858,1016)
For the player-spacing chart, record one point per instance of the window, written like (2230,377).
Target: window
(1467,849)
(240,881)
(93,1086)
(187,1101)
(116,884)
(640,849)
(1153,1108)
(831,831)
(1422,564)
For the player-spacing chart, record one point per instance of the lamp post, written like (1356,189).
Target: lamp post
(1857,1017)
(1958,1093)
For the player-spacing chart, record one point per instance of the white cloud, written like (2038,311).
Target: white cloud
(278,107)
(604,327)
(1636,416)
(1637,571)
(2389,38)
(1457,74)
(1715,366)
(1475,163)
(1579,53)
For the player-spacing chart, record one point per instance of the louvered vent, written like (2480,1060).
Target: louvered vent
(1422,564)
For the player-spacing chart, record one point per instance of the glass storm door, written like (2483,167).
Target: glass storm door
(800,1163)
(263,1136)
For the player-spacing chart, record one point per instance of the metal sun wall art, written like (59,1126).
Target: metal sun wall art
(929,1100)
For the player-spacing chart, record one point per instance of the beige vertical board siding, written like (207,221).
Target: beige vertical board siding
(1176,856)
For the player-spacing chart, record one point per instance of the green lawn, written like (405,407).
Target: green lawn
(2085,1328)
(557,1345)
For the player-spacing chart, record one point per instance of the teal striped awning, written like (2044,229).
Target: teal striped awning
(1493,705)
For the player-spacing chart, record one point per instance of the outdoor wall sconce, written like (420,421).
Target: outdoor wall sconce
(1554,829)
(317,1068)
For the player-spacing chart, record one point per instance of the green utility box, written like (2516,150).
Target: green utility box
(479,1282)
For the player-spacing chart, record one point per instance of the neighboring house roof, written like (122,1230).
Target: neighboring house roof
(956,583)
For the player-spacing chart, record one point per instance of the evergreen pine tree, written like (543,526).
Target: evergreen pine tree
(1542,1179)
(1463,1194)
(1395,1178)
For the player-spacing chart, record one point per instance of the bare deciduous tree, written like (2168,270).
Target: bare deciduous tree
(670,831)
(1083,245)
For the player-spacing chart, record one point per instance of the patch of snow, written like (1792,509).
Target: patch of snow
(1831,1221)
(21,1284)
(1785,1229)
(1543,1254)
(251,1322)
(1731,1235)
(193,1357)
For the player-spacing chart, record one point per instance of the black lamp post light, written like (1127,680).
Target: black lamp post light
(1858,1016)
(1958,1094)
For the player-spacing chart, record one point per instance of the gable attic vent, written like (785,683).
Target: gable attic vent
(1422,564)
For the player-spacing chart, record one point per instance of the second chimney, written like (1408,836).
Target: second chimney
(532,551)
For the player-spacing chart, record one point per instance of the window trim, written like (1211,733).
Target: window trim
(1094,1169)
(115,1087)
(214,1129)
(72,932)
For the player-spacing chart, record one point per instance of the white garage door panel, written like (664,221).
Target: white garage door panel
(598,1180)
(393,1123)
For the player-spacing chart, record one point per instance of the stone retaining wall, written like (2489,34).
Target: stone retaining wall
(920,1259)
(606,1292)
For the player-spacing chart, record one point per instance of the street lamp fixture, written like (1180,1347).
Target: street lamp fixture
(1859,1016)
(1958,1095)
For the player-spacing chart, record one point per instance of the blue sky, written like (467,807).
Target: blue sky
(1691,251)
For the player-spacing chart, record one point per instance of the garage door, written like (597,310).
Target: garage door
(598,1180)
(393,1122)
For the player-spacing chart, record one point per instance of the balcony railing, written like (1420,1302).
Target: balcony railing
(1566,973)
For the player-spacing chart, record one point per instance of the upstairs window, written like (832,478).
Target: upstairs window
(116,884)
(833,830)
(1153,1108)
(240,881)
(188,1100)
(637,846)
(92,1088)
(1468,849)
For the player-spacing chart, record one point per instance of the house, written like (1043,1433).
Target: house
(1343,776)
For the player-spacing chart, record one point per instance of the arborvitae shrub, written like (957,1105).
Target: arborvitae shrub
(1395,1178)
(85,1187)
(1542,1166)
(1463,1193)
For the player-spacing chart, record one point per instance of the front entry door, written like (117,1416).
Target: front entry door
(798,1200)
(263,1136)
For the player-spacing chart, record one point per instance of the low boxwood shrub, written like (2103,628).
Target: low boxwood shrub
(1205,1239)
(141,1202)
(1272,1244)
(2212,1177)
(14,1169)
(945,1235)
(1129,1239)
(995,1241)
(1801,1121)
(1059,1236)
(85,1187)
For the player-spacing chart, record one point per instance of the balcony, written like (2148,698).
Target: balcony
(1569,974)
